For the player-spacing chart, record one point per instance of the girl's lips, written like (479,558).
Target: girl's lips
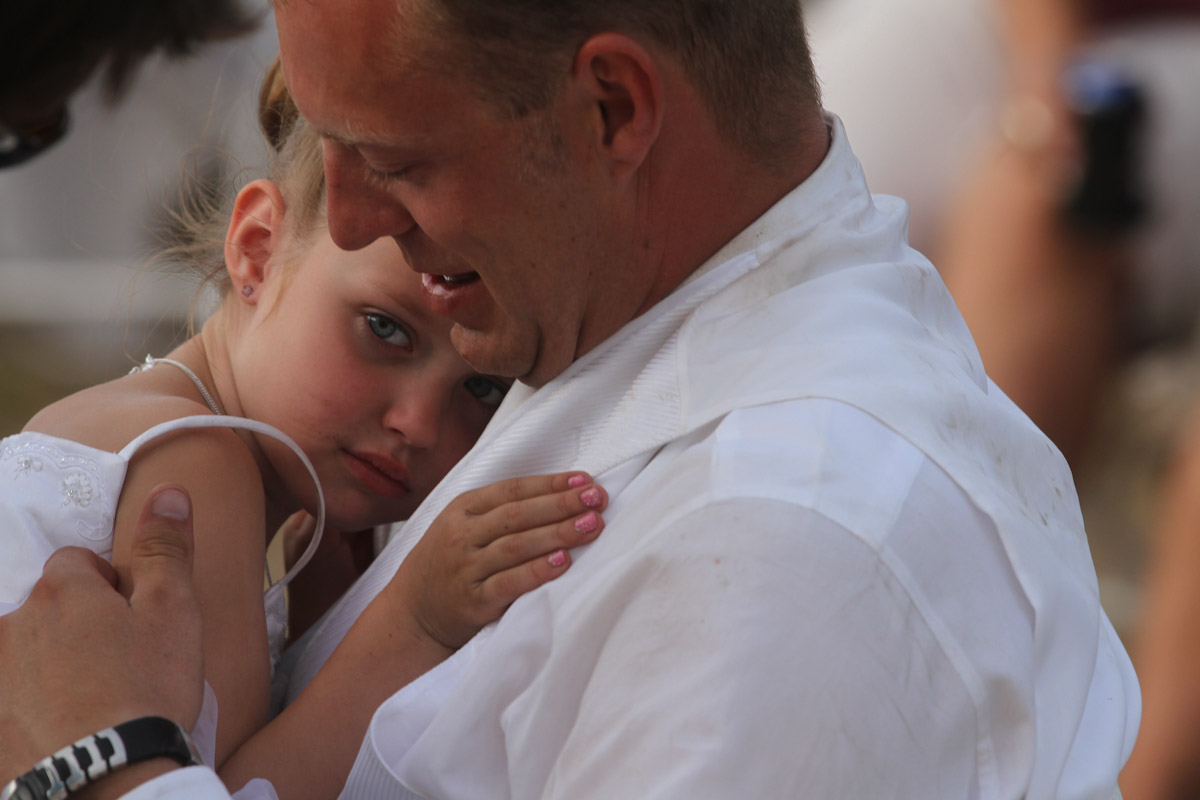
(381,475)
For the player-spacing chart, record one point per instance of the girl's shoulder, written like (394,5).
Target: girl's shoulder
(215,464)
(110,415)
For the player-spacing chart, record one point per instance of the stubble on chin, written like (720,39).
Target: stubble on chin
(493,353)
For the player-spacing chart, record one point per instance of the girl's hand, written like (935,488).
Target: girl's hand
(490,546)
(339,560)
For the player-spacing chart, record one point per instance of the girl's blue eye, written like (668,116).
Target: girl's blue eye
(486,390)
(389,330)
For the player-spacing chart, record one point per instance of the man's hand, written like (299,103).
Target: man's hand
(80,656)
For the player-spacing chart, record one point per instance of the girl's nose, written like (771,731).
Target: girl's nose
(416,414)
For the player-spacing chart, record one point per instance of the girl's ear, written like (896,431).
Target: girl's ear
(255,231)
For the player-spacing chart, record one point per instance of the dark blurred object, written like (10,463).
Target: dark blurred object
(1107,196)
(1112,12)
(21,144)
(48,49)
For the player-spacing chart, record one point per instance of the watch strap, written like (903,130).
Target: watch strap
(92,757)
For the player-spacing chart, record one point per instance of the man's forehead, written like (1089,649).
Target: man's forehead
(326,84)
(385,28)
(331,54)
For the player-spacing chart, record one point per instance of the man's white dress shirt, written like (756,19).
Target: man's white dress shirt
(837,561)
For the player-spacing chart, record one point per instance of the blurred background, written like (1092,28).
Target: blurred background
(79,222)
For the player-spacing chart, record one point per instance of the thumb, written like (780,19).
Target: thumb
(161,554)
(297,531)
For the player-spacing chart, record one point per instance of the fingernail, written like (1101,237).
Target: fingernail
(172,504)
(557,558)
(575,481)
(591,497)
(587,523)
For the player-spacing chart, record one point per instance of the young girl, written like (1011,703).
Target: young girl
(318,364)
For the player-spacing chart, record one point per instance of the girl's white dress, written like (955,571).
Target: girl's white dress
(59,493)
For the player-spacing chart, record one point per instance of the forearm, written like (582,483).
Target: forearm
(308,750)
(487,548)
(1038,36)
(1168,644)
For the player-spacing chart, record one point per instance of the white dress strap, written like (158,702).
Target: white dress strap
(224,421)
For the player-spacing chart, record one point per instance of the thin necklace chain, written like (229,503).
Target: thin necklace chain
(208,398)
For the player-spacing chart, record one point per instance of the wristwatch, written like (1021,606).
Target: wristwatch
(100,754)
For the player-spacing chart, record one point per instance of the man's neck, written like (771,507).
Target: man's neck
(707,207)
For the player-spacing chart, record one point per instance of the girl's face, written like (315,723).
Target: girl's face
(342,354)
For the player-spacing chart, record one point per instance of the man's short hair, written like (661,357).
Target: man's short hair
(749,58)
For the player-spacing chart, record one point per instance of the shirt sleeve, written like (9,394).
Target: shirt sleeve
(772,653)
(199,783)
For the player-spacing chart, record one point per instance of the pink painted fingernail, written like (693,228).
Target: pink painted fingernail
(557,558)
(575,481)
(591,497)
(587,523)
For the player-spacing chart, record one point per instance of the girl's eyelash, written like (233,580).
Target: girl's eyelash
(380,180)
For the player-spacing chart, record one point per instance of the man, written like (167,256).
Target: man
(837,561)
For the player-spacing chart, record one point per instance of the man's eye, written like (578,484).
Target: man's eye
(384,178)
(486,390)
(389,330)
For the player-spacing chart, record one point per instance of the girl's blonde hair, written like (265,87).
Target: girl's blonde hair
(196,243)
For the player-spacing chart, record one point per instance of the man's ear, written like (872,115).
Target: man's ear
(625,85)
(255,229)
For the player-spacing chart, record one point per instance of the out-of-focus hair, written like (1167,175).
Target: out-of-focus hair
(49,47)
(196,243)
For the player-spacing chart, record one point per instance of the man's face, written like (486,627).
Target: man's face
(513,223)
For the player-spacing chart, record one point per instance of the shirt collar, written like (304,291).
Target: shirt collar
(804,201)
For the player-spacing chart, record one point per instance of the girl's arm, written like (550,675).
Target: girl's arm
(486,549)
(340,558)
(219,473)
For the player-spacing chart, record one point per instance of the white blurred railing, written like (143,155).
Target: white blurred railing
(41,291)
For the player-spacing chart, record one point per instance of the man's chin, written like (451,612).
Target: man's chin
(489,353)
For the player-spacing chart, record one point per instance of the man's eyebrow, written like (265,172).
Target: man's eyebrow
(345,138)
(352,134)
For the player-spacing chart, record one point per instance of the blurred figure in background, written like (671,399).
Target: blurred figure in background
(988,117)
(48,51)
(965,109)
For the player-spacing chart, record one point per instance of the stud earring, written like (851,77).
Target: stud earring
(247,290)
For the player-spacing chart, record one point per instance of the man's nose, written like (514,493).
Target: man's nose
(359,211)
